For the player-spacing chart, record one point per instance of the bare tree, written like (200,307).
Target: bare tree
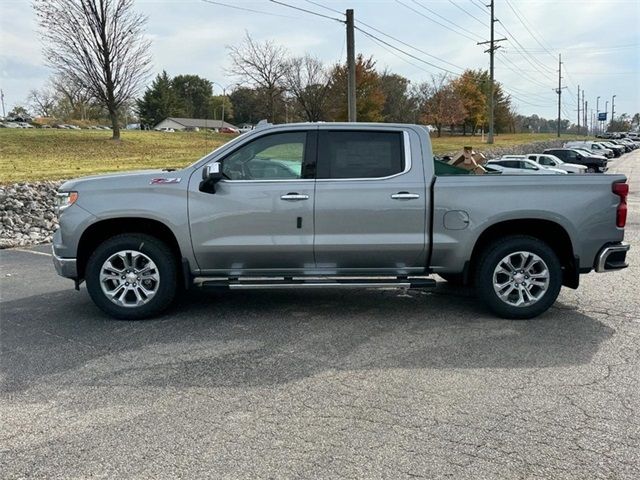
(263,65)
(76,97)
(307,80)
(99,45)
(43,101)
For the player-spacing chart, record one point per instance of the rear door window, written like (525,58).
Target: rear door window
(527,166)
(360,154)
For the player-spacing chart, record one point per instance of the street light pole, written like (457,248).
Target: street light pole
(606,110)
(598,115)
(613,108)
(224,96)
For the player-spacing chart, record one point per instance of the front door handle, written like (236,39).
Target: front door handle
(294,197)
(405,196)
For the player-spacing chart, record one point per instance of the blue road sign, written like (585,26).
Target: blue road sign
(602,116)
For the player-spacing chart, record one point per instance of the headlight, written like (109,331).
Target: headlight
(65,200)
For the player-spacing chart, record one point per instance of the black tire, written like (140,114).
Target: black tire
(492,256)
(152,248)
(455,279)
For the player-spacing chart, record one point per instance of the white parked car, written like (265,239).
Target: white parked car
(521,166)
(165,129)
(548,160)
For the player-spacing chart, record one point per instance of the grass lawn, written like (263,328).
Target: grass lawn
(27,155)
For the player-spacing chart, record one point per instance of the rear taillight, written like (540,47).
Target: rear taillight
(622,190)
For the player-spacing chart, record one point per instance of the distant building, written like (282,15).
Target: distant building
(192,123)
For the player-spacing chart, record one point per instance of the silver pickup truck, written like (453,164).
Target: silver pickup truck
(335,205)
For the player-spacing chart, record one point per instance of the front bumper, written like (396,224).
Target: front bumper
(66,267)
(612,257)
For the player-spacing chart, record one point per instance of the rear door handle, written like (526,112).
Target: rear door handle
(405,196)
(294,197)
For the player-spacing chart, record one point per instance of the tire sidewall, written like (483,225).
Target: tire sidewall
(157,251)
(489,261)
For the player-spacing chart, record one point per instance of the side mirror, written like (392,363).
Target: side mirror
(578,156)
(211,174)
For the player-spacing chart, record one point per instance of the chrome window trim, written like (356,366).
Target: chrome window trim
(287,180)
(407,168)
(407,163)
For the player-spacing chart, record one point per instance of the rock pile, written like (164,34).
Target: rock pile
(533,147)
(27,215)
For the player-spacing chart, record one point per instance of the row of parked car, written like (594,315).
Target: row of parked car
(574,157)
(62,126)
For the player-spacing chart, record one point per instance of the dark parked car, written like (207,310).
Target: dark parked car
(594,163)
(627,146)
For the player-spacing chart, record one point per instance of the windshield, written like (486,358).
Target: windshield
(583,151)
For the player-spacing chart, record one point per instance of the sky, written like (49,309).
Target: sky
(599,41)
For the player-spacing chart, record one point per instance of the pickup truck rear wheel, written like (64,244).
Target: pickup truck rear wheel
(519,277)
(132,276)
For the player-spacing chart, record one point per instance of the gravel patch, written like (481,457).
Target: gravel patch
(27,215)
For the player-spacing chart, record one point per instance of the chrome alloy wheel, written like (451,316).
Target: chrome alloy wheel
(129,278)
(521,279)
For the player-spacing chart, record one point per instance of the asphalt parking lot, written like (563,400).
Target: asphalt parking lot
(321,384)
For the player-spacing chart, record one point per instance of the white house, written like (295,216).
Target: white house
(192,123)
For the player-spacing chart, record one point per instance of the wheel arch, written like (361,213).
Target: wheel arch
(548,231)
(102,230)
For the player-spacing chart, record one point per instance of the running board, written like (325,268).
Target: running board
(262,284)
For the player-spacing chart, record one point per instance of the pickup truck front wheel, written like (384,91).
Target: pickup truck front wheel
(519,277)
(132,276)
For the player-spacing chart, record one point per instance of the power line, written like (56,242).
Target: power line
(307,11)
(528,58)
(409,45)
(511,94)
(248,9)
(524,24)
(435,21)
(468,13)
(325,7)
(514,68)
(370,35)
(538,96)
(460,27)
(479,5)
(398,56)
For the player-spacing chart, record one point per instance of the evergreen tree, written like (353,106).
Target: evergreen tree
(158,102)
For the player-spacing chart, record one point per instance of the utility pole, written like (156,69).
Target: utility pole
(559,90)
(604,122)
(586,125)
(584,114)
(351,68)
(491,50)
(4,114)
(598,115)
(613,108)
(578,109)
